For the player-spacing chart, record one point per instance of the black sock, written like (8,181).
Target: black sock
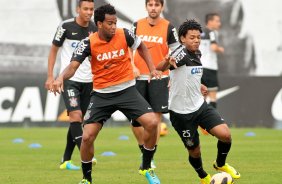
(87,170)
(147,157)
(69,147)
(213,104)
(198,166)
(222,152)
(76,132)
(141,148)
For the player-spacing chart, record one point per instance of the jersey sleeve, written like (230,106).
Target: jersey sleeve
(212,36)
(172,37)
(131,39)
(180,54)
(133,27)
(82,50)
(60,35)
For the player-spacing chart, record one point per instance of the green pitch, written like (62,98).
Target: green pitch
(258,158)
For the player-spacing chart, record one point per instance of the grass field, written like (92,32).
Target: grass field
(258,158)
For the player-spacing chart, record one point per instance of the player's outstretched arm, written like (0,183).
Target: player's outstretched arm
(69,71)
(145,54)
(216,48)
(136,71)
(167,63)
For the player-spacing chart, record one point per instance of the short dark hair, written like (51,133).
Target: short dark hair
(210,16)
(188,25)
(80,1)
(161,1)
(99,13)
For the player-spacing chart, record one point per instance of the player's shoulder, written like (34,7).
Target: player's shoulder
(140,21)
(93,26)
(180,49)
(67,22)
(120,31)
(206,33)
(165,21)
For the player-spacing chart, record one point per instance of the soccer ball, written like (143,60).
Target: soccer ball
(222,178)
(164,129)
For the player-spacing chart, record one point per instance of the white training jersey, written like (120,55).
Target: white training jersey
(67,37)
(185,82)
(209,57)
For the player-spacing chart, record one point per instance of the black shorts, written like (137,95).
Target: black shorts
(76,95)
(156,94)
(103,105)
(186,125)
(210,79)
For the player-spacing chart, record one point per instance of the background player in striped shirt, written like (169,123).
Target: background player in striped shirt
(160,36)
(77,89)
(187,106)
(113,87)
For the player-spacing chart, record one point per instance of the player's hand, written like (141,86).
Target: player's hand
(171,60)
(221,49)
(58,86)
(204,90)
(136,71)
(155,74)
(49,84)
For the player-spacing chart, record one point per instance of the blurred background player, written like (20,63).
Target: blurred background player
(78,88)
(113,87)
(160,36)
(209,49)
(187,106)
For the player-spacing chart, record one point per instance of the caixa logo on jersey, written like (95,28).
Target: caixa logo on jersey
(18,105)
(74,44)
(196,70)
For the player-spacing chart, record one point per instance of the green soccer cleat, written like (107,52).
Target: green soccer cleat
(228,169)
(206,180)
(84,181)
(68,165)
(150,175)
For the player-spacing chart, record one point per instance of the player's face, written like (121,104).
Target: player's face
(192,40)
(154,9)
(85,10)
(108,26)
(216,23)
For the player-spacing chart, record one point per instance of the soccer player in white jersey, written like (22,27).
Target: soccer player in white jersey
(77,89)
(187,106)
(210,48)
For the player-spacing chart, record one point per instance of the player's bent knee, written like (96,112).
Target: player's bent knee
(225,138)
(75,116)
(226,134)
(148,121)
(195,152)
(87,138)
(151,124)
